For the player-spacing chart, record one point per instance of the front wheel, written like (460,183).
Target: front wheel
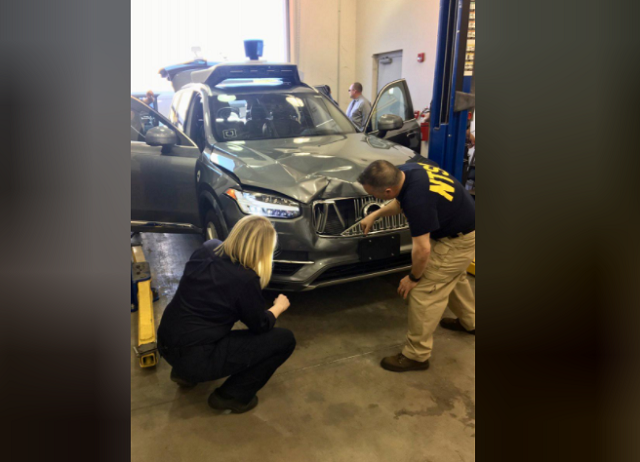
(211,226)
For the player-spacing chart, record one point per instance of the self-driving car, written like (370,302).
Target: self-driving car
(252,138)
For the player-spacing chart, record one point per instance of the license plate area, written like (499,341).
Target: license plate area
(378,248)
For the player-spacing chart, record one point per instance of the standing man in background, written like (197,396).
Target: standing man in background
(359,108)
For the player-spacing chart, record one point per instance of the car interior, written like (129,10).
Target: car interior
(261,121)
(272,116)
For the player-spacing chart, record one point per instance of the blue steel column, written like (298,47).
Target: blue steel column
(447,133)
(437,132)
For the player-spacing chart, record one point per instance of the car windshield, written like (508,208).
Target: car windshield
(264,116)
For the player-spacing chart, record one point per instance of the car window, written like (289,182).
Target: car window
(143,119)
(260,116)
(392,101)
(195,128)
(180,107)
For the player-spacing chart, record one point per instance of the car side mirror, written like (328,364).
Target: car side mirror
(389,122)
(161,136)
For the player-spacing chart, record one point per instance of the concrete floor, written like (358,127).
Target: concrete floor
(330,402)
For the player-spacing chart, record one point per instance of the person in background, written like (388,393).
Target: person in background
(222,284)
(469,175)
(360,107)
(326,90)
(329,94)
(149,98)
(471,131)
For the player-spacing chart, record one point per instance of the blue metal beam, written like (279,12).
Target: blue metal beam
(448,128)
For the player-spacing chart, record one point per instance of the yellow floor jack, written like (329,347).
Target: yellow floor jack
(142,297)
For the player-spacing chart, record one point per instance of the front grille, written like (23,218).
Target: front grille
(286,269)
(341,217)
(358,269)
(290,255)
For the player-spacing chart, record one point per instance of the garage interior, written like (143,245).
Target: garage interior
(331,401)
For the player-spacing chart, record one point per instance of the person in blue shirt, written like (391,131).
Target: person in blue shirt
(360,108)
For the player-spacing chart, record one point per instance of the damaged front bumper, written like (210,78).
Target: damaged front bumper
(306,260)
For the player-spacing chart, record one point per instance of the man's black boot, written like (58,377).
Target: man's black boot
(454,324)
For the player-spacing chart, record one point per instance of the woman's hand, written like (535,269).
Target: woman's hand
(282,301)
(280,305)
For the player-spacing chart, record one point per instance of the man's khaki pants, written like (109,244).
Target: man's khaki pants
(443,281)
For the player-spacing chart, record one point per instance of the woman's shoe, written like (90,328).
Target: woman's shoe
(223,404)
(180,381)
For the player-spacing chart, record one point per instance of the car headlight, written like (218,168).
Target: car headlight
(266,205)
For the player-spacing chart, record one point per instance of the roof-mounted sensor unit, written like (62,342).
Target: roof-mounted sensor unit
(225,71)
(253,49)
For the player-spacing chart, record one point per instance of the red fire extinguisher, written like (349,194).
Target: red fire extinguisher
(424,124)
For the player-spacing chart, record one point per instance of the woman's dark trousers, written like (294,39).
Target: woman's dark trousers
(249,359)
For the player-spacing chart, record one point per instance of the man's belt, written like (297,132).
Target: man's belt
(462,233)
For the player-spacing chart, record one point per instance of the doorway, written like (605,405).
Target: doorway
(389,68)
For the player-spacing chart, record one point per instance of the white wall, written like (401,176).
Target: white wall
(408,25)
(323,45)
(333,43)
(348,49)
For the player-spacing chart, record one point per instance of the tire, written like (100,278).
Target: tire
(212,226)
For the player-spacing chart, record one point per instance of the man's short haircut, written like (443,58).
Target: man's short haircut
(357,86)
(380,174)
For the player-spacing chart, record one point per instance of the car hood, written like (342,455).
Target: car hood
(308,168)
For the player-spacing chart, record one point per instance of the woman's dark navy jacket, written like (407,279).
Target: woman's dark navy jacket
(213,294)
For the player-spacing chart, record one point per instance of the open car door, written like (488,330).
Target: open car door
(163,178)
(395,99)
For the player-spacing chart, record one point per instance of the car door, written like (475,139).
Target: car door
(394,98)
(163,181)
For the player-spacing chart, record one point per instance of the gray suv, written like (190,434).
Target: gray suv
(253,139)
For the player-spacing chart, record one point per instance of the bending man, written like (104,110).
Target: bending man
(441,215)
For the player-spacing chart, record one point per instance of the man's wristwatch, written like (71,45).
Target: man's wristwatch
(414,279)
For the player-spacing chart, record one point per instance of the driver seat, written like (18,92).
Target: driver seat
(284,124)
(256,125)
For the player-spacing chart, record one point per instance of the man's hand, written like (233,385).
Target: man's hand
(367,223)
(392,207)
(405,286)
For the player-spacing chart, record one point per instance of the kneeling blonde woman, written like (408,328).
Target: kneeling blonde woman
(222,283)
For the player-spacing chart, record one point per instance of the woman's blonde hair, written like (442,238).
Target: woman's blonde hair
(251,243)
